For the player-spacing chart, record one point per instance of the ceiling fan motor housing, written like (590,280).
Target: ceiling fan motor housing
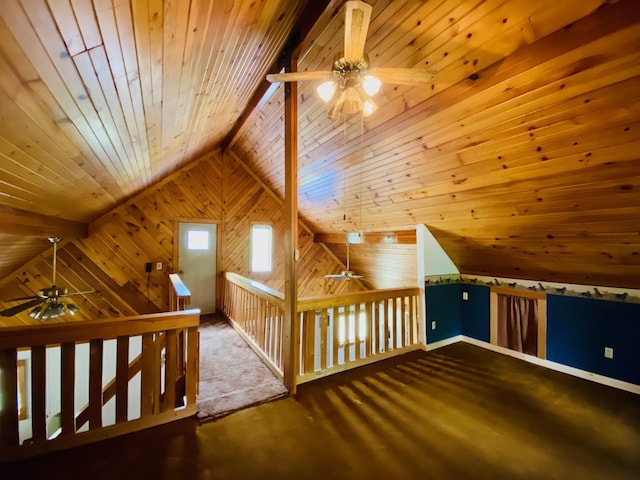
(53,292)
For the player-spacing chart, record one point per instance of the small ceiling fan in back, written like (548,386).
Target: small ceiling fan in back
(350,77)
(52,298)
(345,274)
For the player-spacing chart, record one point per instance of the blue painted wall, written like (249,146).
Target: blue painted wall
(578,330)
(474,312)
(443,307)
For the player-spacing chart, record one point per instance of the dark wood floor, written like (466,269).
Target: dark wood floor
(455,413)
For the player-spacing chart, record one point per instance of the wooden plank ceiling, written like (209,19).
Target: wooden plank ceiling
(99,100)
(521,156)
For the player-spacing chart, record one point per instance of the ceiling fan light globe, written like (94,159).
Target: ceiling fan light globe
(57,309)
(72,308)
(371,85)
(36,312)
(47,312)
(326,90)
(368,107)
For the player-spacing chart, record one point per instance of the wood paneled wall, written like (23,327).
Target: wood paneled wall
(249,201)
(111,260)
(382,265)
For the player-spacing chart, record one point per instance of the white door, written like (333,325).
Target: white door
(197,263)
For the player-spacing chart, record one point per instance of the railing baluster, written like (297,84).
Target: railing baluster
(335,336)
(9,398)
(38,392)
(324,328)
(308,341)
(95,383)
(368,339)
(122,379)
(387,329)
(403,322)
(191,373)
(414,319)
(150,376)
(358,333)
(170,371)
(67,398)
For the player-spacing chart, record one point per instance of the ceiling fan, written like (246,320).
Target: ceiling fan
(51,297)
(345,274)
(350,77)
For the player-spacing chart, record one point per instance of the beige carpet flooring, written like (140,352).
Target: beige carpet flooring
(232,376)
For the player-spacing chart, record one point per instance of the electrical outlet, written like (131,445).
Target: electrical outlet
(433,325)
(159,266)
(465,295)
(608,352)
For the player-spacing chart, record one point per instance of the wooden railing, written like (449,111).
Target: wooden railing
(336,332)
(256,312)
(48,373)
(179,294)
(346,331)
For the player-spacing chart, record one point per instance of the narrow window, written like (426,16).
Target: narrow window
(261,246)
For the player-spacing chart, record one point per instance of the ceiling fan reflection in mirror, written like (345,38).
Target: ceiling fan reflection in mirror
(49,302)
(345,274)
(351,80)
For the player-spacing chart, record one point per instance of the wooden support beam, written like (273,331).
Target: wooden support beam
(290,324)
(403,237)
(14,221)
(315,16)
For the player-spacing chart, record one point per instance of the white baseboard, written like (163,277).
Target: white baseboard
(559,367)
(443,343)
(576,372)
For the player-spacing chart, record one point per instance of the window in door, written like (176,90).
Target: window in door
(198,240)
(261,248)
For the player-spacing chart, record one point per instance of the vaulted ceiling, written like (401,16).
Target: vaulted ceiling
(522,156)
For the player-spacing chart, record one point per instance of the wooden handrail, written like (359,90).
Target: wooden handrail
(262,291)
(179,294)
(330,301)
(56,333)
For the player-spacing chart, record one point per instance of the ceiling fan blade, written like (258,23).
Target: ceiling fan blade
(356,24)
(21,308)
(403,76)
(32,297)
(298,76)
